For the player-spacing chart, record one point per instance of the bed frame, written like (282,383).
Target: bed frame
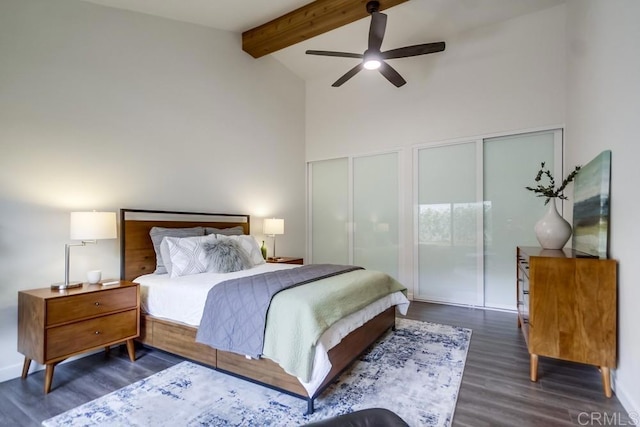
(138,258)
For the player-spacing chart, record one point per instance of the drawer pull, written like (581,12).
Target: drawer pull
(525,291)
(97,332)
(97,304)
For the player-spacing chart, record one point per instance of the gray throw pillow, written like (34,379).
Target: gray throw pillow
(226,256)
(158,233)
(231,231)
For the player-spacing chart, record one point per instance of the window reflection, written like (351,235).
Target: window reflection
(450,224)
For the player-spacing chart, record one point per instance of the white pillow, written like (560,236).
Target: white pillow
(188,255)
(159,233)
(249,245)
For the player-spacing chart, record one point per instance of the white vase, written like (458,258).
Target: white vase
(552,231)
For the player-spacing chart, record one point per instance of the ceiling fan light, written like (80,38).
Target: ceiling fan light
(371,63)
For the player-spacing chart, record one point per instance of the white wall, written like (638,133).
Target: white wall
(498,78)
(102,109)
(603,110)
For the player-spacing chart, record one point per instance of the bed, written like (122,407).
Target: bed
(171,332)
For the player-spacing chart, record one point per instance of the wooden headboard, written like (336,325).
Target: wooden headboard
(137,256)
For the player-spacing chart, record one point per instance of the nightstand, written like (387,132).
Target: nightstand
(285,260)
(54,325)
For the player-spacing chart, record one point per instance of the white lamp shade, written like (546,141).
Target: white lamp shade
(93,225)
(273,226)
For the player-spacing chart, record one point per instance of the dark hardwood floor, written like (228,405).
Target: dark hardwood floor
(495,389)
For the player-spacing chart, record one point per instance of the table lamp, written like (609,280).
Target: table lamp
(273,227)
(89,227)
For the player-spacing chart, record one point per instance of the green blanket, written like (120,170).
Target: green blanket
(298,316)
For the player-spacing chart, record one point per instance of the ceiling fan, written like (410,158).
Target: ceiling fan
(372,58)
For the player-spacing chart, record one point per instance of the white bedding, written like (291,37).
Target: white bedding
(183,298)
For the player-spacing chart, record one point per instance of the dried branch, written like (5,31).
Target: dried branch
(550,191)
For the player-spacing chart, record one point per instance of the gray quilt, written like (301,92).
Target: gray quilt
(235,312)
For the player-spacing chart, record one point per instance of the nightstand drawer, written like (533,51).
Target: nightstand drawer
(286,260)
(82,306)
(80,336)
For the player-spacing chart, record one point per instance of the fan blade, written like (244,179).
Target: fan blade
(376,30)
(407,51)
(352,72)
(330,53)
(391,74)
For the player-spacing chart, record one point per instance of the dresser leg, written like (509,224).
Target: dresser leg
(606,380)
(534,367)
(519,322)
(25,367)
(48,377)
(131,349)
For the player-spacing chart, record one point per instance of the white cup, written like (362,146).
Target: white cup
(94,276)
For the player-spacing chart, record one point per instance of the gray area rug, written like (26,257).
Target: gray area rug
(415,371)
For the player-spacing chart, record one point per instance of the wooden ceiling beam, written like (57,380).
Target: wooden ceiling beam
(308,21)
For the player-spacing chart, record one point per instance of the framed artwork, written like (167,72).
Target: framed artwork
(591,206)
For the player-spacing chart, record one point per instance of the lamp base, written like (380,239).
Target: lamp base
(62,286)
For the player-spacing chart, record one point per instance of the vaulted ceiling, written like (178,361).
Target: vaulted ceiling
(410,22)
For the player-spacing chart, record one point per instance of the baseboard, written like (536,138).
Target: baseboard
(10,372)
(630,405)
(15,371)
(506,308)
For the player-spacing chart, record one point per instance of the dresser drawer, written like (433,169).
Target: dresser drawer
(80,336)
(82,306)
(523,265)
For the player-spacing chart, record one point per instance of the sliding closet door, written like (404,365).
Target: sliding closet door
(329,211)
(449,225)
(354,212)
(375,212)
(510,164)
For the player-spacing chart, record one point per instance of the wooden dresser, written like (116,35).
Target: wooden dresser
(567,308)
(54,325)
